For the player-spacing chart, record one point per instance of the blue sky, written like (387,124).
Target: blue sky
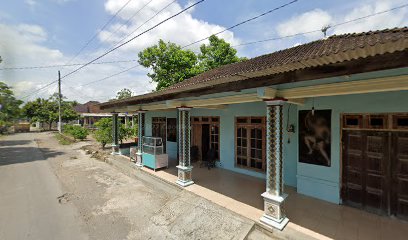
(44,32)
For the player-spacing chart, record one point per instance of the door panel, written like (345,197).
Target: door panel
(365,170)
(353,168)
(400,174)
(376,174)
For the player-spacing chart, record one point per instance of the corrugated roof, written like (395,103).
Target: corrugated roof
(337,48)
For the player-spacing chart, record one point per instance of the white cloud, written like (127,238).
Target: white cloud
(23,45)
(305,22)
(386,20)
(31,3)
(317,19)
(182,29)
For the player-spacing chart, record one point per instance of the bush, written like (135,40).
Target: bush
(103,133)
(4,126)
(75,131)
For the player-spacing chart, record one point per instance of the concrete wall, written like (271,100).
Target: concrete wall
(324,182)
(313,180)
(227,133)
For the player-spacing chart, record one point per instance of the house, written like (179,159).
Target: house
(90,113)
(329,118)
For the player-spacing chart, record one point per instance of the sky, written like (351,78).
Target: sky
(52,32)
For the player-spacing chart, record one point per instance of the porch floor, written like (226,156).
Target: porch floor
(310,218)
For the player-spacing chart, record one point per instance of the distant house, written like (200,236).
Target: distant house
(90,113)
(329,118)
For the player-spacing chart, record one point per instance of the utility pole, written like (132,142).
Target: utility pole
(59,103)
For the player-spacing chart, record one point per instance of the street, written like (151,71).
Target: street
(29,190)
(53,191)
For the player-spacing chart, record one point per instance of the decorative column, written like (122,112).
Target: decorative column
(140,134)
(126,120)
(184,167)
(115,134)
(274,198)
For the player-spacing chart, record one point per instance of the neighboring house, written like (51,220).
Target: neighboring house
(329,118)
(90,113)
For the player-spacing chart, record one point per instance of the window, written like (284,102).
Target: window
(377,121)
(400,121)
(353,121)
(250,142)
(215,138)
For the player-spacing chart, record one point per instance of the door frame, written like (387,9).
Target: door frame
(391,128)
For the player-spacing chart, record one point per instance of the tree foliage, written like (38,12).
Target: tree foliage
(170,64)
(46,110)
(103,133)
(217,53)
(124,93)
(9,105)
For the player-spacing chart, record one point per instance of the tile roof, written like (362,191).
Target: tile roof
(334,49)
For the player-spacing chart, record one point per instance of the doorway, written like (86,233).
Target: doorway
(375,163)
(205,136)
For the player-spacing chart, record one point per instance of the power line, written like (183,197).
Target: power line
(133,38)
(99,31)
(111,76)
(278,38)
(319,30)
(64,65)
(243,22)
(117,47)
(127,21)
(145,22)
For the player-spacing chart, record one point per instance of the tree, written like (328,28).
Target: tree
(171,64)
(103,133)
(124,93)
(46,110)
(9,106)
(217,53)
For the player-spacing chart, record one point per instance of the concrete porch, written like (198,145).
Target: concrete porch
(310,218)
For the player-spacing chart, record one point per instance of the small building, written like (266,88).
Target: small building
(90,113)
(329,118)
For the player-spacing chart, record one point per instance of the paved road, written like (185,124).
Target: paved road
(29,191)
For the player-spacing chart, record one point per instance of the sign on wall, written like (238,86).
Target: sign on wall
(315,137)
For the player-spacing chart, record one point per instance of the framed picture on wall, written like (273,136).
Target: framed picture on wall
(315,137)
(171,129)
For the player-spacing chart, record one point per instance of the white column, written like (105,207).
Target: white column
(141,133)
(115,134)
(274,198)
(184,167)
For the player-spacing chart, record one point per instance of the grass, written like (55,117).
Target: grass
(62,140)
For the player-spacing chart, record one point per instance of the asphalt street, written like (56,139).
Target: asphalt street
(30,206)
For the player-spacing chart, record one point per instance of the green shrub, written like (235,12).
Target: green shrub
(4,126)
(76,131)
(103,133)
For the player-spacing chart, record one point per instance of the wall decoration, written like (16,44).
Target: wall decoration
(171,129)
(315,137)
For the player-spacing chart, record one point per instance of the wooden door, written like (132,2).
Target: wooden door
(196,138)
(366,170)
(399,200)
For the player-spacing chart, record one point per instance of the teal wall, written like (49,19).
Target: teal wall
(227,133)
(316,181)
(324,182)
